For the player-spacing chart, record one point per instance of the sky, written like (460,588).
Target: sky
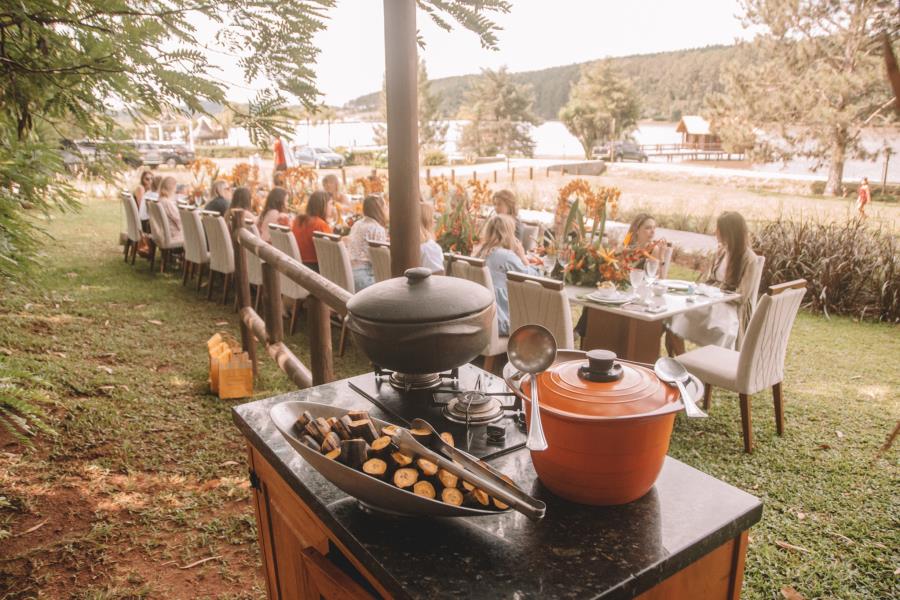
(536,34)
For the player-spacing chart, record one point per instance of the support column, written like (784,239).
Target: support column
(401,70)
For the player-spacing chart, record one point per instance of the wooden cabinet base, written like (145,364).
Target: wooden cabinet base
(631,339)
(296,549)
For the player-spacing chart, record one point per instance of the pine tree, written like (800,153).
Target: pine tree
(812,80)
(601,104)
(500,115)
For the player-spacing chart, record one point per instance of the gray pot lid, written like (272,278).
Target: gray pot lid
(419,297)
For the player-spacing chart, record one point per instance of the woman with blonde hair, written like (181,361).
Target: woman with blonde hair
(499,250)
(430,253)
(505,204)
(169,208)
(371,227)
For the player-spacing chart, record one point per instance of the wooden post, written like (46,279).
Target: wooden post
(274,308)
(530,173)
(343,176)
(474,176)
(548,171)
(319,325)
(401,79)
(884,171)
(427,174)
(242,287)
(452,175)
(495,176)
(513,175)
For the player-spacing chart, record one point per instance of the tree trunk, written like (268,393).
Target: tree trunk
(587,145)
(833,186)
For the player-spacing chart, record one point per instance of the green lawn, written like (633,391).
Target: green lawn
(146,473)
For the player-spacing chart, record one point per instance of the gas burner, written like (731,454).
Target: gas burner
(412,381)
(473,408)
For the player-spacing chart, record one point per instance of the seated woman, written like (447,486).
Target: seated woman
(500,253)
(505,204)
(430,253)
(719,324)
(317,211)
(332,186)
(221,192)
(274,212)
(140,192)
(640,237)
(240,200)
(370,227)
(170,209)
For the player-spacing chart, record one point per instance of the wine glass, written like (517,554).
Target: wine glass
(549,261)
(651,268)
(636,276)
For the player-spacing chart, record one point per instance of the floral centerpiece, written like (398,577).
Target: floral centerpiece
(203,173)
(458,226)
(300,183)
(247,175)
(580,224)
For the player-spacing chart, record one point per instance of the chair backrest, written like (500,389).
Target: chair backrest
(540,301)
(474,269)
(201,245)
(334,260)
(159,225)
(755,277)
(254,263)
(283,239)
(132,221)
(748,304)
(191,235)
(761,361)
(221,252)
(380,253)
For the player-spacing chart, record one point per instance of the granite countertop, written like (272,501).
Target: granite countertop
(574,552)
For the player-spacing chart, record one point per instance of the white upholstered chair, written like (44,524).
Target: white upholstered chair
(540,301)
(334,265)
(475,269)
(748,304)
(132,226)
(283,239)
(380,254)
(760,362)
(161,234)
(666,261)
(196,253)
(221,252)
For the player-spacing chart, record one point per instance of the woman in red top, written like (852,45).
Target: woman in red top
(305,225)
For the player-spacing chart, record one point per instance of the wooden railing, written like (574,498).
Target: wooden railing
(269,328)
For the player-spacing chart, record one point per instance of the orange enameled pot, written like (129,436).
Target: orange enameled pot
(608,426)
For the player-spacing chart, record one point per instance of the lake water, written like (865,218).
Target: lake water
(553,140)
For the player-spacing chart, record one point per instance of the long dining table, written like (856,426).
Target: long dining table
(633,330)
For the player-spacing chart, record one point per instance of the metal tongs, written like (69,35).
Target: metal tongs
(469,469)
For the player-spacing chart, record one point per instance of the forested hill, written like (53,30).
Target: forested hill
(669,84)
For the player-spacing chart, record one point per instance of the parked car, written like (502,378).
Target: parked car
(145,153)
(318,157)
(174,153)
(623,151)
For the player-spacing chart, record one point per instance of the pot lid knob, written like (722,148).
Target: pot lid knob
(601,367)
(417,274)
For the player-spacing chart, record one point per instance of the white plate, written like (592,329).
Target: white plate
(618,298)
(675,284)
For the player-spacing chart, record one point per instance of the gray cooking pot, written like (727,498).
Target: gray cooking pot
(421,323)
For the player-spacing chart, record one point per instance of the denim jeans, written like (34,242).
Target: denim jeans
(363,276)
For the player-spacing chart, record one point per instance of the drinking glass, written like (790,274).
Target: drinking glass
(636,276)
(651,267)
(549,262)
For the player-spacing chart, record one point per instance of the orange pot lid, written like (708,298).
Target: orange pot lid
(602,387)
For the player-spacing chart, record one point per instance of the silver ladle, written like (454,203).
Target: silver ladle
(671,371)
(532,349)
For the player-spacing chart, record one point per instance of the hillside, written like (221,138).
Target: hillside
(669,84)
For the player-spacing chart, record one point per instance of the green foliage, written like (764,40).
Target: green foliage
(232,151)
(668,84)
(360,157)
(457,228)
(851,268)
(811,81)
(601,105)
(435,158)
(499,111)
(21,395)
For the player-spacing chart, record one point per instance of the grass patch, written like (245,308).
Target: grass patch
(146,471)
